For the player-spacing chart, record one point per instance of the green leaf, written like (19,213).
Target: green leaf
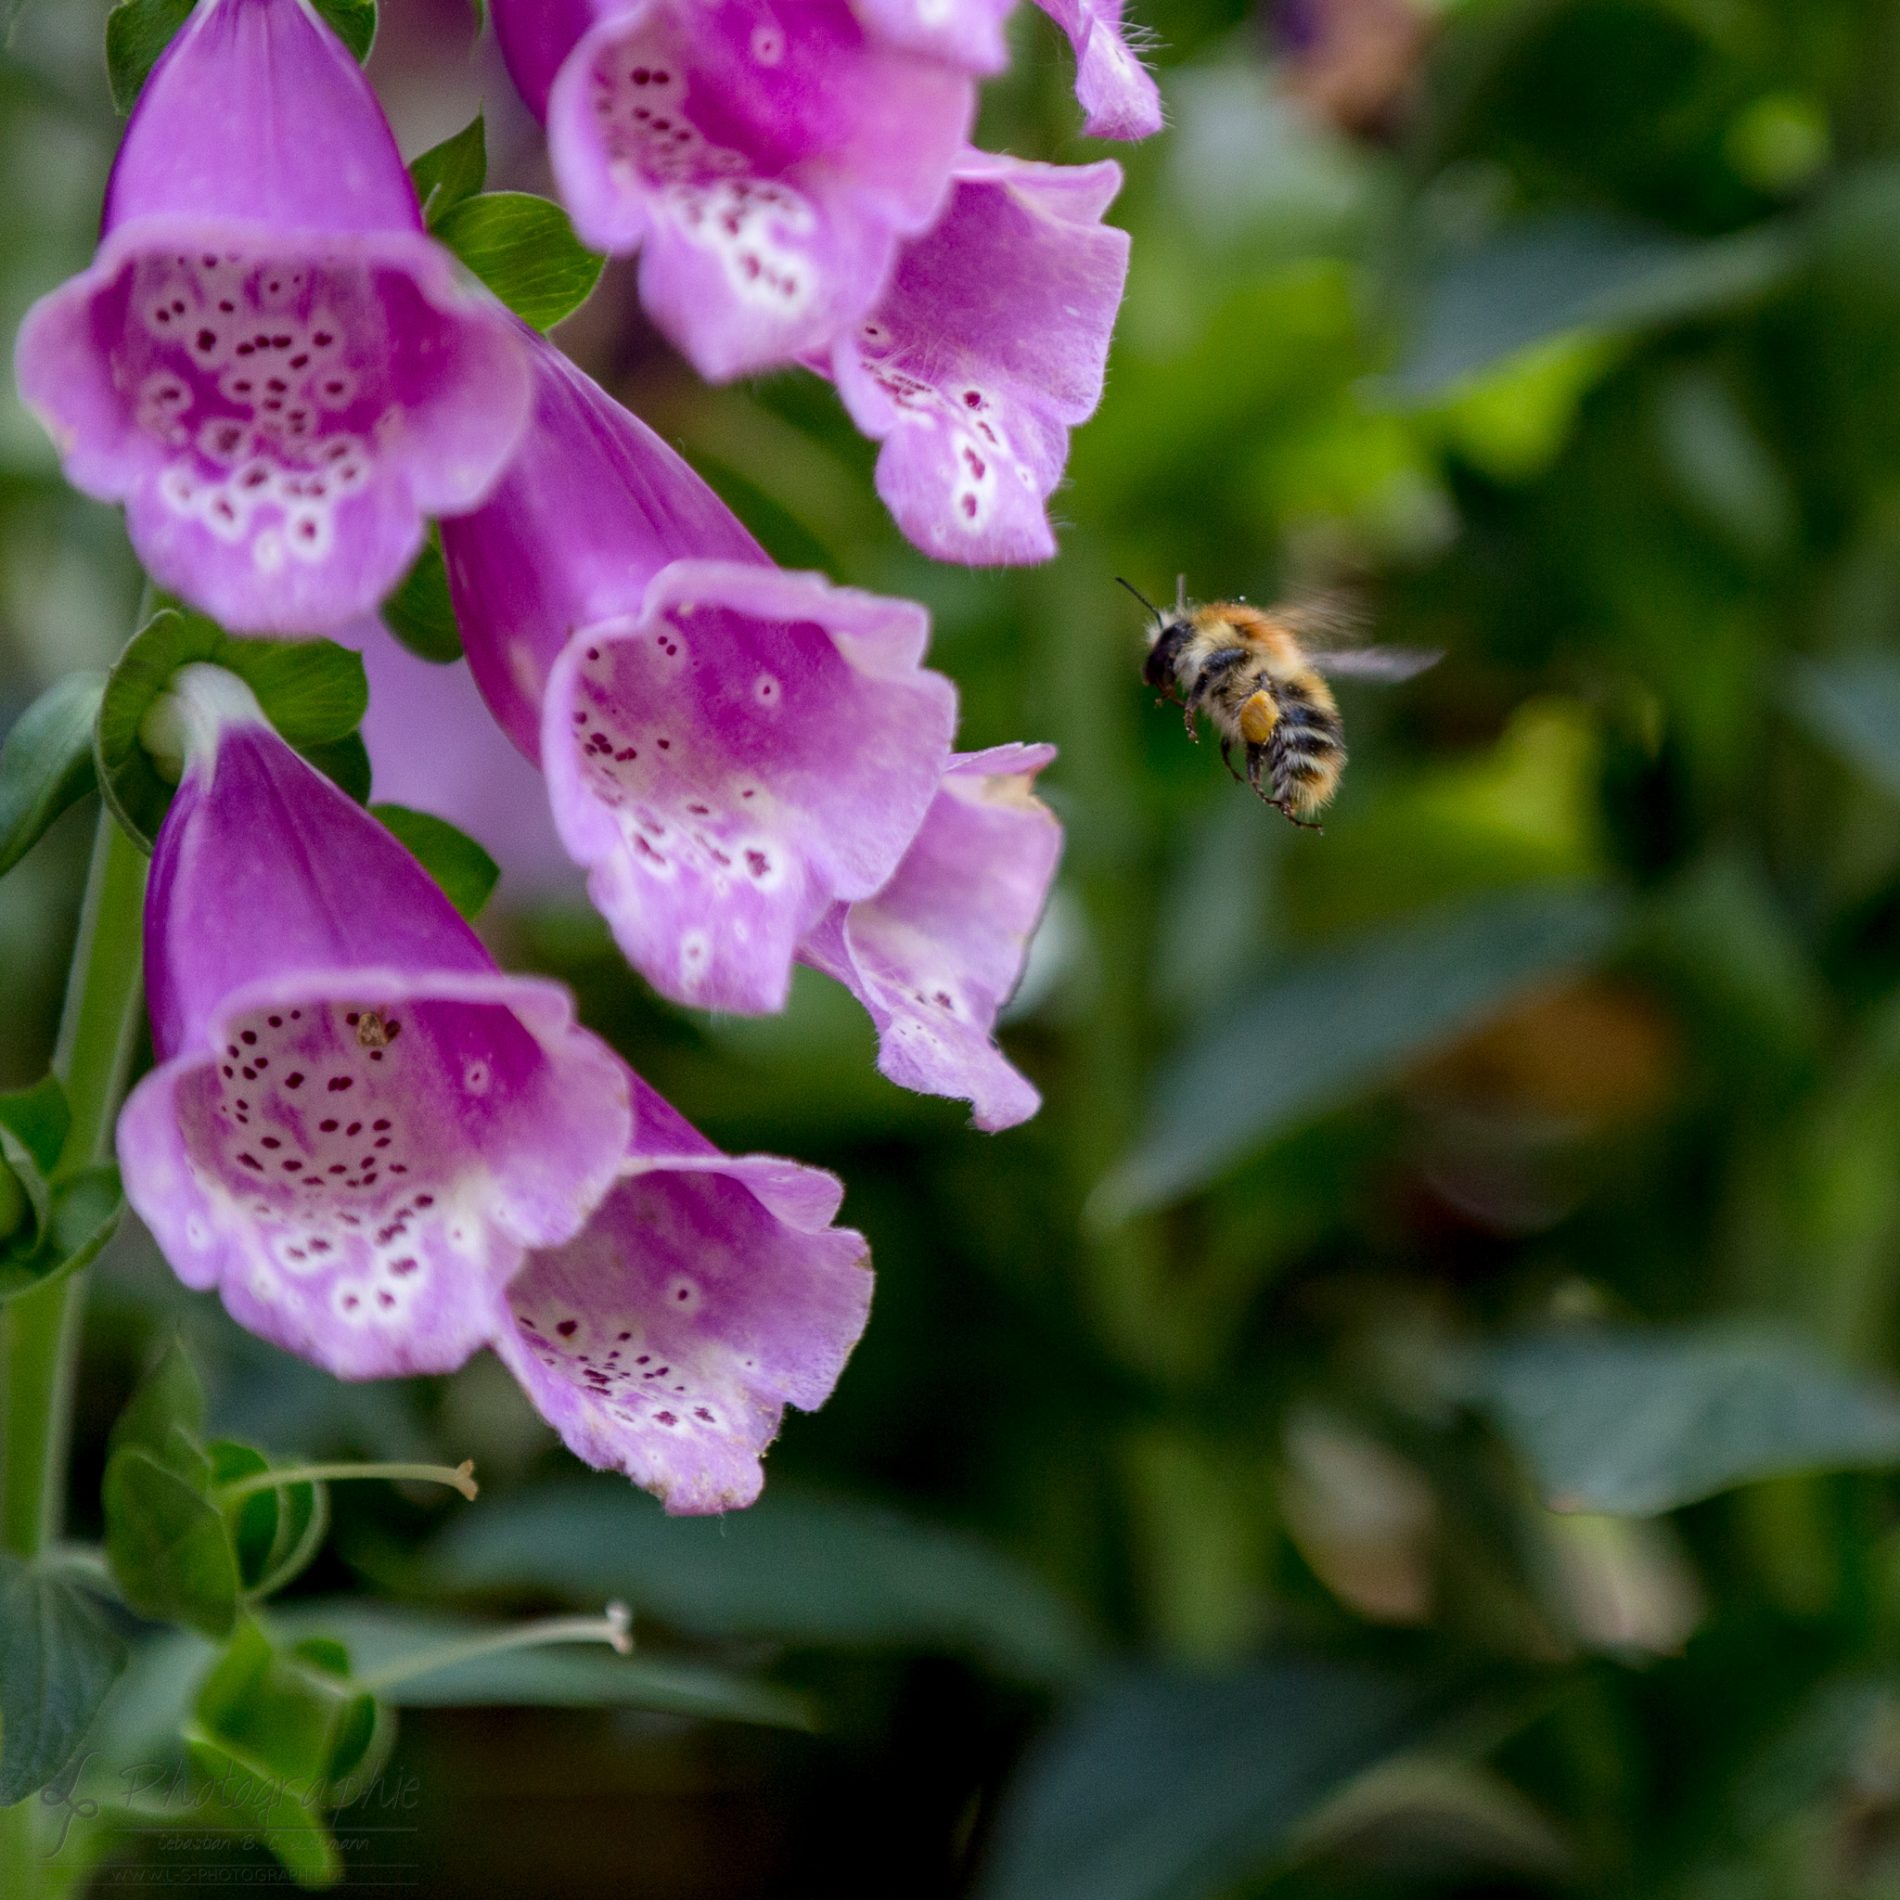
(253,1797)
(466,872)
(578,1675)
(795,1568)
(58,1657)
(1634,1423)
(169,1399)
(33,1125)
(87,1207)
(420,612)
(454,170)
(137,32)
(313,691)
(1576,270)
(1170,1786)
(46,763)
(1344,1022)
(524,249)
(1853,707)
(353,22)
(167,1545)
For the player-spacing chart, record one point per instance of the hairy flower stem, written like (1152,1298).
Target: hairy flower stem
(457,1477)
(39,1333)
(611,1628)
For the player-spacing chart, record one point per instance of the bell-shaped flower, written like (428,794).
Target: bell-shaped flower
(1119,97)
(706,1294)
(764,159)
(358,1127)
(268,361)
(935,955)
(730,748)
(989,346)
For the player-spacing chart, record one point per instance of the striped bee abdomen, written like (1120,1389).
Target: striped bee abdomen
(1307,751)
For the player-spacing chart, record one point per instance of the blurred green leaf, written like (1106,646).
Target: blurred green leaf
(465,872)
(252,1796)
(1575,270)
(33,1124)
(169,1400)
(447,173)
(46,763)
(167,1545)
(345,763)
(793,1568)
(58,1657)
(137,31)
(354,22)
(524,249)
(1634,1423)
(1172,1786)
(420,613)
(1343,1022)
(382,1637)
(1853,707)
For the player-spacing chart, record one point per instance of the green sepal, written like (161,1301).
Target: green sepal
(448,173)
(58,1658)
(313,691)
(464,871)
(46,763)
(167,1545)
(86,1209)
(277,1734)
(421,614)
(524,249)
(137,32)
(353,22)
(275,1532)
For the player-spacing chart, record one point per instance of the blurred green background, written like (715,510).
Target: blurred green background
(1183,1528)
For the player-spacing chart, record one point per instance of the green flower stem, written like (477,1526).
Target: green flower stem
(612,1628)
(39,1333)
(457,1477)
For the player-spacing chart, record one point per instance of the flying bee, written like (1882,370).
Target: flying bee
(1257,675)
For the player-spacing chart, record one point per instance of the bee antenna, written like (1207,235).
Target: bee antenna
(1180,594)
(1139,595)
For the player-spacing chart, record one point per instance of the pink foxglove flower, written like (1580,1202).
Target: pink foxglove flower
(268,361)
(730,748)
(706,1294)
(358,1126)
(765,160)
(989,346)
(935,955)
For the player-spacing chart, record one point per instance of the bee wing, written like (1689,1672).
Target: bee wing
(1377,663)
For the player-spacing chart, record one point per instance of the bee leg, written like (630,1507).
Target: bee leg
(1256,764)
(1227,759)
(1285,808)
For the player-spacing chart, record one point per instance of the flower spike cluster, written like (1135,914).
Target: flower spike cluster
(796,183)
(383,1152)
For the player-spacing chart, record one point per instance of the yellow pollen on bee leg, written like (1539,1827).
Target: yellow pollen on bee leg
(1258,718)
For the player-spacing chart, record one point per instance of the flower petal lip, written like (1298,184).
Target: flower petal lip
(358,1125)
(749,748)
(708,1292)
(990,344)
(268,361)
(366,1219)
(765,164)
(936,953)
(968,33)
